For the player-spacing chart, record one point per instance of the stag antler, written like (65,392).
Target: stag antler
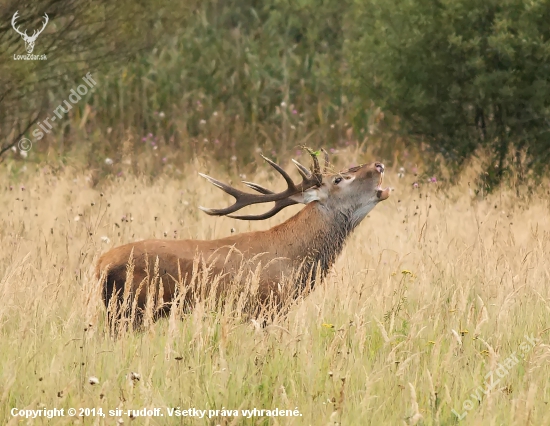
(282,199)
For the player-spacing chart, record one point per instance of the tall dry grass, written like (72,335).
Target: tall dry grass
(434,291)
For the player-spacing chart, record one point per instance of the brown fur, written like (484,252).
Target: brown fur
(311,239)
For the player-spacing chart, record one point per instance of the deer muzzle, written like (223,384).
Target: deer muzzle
(381,194)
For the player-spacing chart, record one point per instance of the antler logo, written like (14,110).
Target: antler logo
(29,40)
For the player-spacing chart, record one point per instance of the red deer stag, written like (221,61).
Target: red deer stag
(335,204)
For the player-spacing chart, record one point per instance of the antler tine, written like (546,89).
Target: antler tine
(240,197)
(224,187)
(306,174)
(316,168)
(327,161)
(316,171)
(287,178)
(258,188)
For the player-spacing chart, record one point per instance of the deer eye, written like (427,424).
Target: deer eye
(337,180)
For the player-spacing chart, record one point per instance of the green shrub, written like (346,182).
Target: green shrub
(461,74)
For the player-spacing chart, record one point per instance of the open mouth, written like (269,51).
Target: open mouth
(382,194)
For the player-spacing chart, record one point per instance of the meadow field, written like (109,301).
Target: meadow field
(436,313)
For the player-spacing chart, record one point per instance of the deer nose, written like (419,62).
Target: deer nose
(379,167)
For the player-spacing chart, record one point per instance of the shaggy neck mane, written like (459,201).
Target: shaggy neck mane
(315,236)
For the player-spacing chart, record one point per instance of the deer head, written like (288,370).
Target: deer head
(350,194)
(29,40)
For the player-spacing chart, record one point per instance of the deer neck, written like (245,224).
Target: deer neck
(314,237)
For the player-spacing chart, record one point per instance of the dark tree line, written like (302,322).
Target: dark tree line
(462,77)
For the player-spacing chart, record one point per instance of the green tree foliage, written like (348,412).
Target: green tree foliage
(241,59)
(461,74)
(187,60)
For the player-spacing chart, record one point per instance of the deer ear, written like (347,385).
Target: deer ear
(306,197)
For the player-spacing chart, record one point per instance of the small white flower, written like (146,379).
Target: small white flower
(162,114)
(105,239)
(93,380)
(14,149)
(109,161)
(23,154)
(332,126)
(215,113)
(233,158)
(293,127)
(401,173)
(205,140)
(202,122)
(135,376)
(283,104)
